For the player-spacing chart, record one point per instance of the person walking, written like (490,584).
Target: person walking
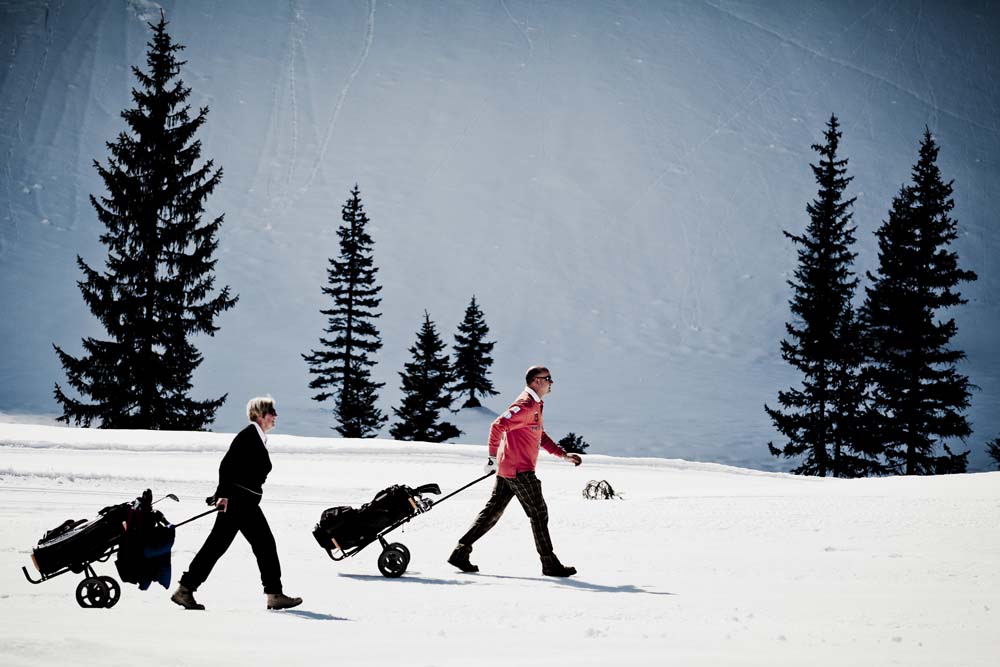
(515,437)
(241,479)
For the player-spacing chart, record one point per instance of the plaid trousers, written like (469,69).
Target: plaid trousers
(528,490)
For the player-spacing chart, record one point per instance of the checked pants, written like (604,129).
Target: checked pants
(528,490)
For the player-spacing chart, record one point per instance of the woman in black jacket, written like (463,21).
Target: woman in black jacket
(242,473)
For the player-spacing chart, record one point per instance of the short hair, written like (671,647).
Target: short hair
(534,372)
(259,406)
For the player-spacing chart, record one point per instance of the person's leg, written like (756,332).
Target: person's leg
(528,490)
(223,533)
(258,533)
(488,517)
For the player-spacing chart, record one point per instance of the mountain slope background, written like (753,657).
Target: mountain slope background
(610,179)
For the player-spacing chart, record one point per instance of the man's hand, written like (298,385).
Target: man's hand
(221,504)
(490,465)
(574,459)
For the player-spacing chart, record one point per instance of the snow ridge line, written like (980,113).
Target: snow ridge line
(328,136)
(77,476)
(143,483)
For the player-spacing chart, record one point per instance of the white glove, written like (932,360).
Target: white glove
(490,465)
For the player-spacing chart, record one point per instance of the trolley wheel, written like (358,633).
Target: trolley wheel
(392,562)
(399,546)
(114,591)
(92,593)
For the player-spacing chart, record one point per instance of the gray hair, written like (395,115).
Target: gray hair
(259,406)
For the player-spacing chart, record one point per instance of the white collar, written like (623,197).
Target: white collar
(260,432)
(531,392)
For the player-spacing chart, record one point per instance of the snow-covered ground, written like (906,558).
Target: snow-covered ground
(698,564)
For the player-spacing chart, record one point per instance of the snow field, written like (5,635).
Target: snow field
(698,564)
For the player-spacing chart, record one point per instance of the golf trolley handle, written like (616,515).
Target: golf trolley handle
(475,481)
(211,511)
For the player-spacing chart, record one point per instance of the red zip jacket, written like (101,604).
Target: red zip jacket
(516,435)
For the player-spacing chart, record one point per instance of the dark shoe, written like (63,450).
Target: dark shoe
(185,598)
(557,569)
(282,601)
(460,559)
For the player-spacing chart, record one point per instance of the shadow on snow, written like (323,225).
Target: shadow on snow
(569,583)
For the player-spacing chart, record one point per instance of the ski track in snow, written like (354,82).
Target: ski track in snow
(756,99)
(931,103)
(278,186)
(332,124)
(49,18)
(524,33)
(473,119)
(296,37)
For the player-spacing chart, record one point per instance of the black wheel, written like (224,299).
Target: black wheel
(114,591)
(92,593)
(392,563)
(399,546)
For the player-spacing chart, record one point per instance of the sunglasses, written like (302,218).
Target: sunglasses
(271,411)
(547,378)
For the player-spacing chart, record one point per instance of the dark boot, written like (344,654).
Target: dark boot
(282,601)
(460,559)
(185,598)
(554,568)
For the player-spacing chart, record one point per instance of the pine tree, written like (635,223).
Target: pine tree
(426,392)
(472,357)
(157,289)
(342,366)
(573,444)
(993,449)
(820,420)
(917,394)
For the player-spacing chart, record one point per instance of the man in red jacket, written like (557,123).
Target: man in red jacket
(515,437)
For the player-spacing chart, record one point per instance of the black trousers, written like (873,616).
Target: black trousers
(249,520)
(528,490)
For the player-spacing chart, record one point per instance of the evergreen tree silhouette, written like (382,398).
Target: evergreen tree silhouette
(342,368)
(917,394)
(472,357)
(993,449)
(573,444)
(821,420)
(426,392)
(157,289)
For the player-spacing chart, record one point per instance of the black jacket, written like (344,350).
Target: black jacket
(244,468)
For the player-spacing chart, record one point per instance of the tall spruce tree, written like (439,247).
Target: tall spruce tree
(343,366)
(157,289)
(426,393)
(472,357)
(917,394)
(820,420)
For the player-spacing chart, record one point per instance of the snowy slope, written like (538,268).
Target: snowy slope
(699,564)
(651,153)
